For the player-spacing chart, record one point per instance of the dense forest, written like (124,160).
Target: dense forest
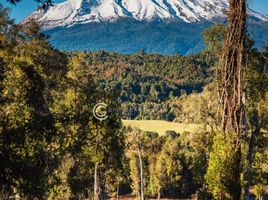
(147,83)
(52,146)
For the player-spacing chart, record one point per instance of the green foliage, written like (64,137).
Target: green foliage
(214,38)
(28,132)
(90,141)
(220,176)
(169,167)
(200,108)
(46,122)
(147,83)
(173,165)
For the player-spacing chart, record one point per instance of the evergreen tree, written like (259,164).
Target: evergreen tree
(96,146)
(28,132)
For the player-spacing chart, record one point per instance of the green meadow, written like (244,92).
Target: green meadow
(161,127)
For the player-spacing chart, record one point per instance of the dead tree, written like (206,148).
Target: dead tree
(137,146)
(141,174)
(99,187)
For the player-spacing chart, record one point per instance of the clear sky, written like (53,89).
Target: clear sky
(25,7)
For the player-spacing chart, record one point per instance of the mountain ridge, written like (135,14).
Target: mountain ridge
(128,26)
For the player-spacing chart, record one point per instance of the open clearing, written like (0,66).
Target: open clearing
(162,126)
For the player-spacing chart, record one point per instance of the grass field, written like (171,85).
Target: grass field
(162,126)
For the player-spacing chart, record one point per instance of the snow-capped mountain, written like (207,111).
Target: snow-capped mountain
(73,12)
(127,26)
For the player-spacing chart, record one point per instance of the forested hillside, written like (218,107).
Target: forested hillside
(146,83)
(166,37)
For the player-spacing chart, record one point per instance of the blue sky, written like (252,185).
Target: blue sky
(25,7)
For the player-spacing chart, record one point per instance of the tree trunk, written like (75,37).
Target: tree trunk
(233,97)
(97,195)
(99,185)
(159,195)
(250,156)
(117,191)
(99,191)
(233,61)
(5,192)
(141,175)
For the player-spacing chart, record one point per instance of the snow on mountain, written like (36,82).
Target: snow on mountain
(73,12)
